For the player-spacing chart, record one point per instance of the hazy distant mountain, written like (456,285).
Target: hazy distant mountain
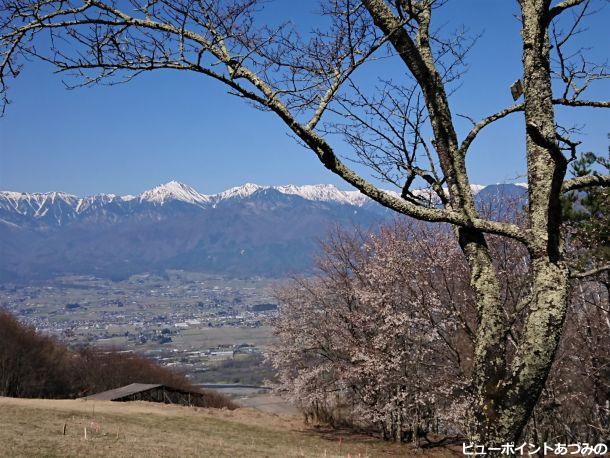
(247,230)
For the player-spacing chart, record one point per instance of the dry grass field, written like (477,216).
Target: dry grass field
(32,428)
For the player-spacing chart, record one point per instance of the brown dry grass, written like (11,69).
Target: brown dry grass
(33,427)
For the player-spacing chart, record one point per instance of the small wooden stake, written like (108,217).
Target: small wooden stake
(85,433)
(65,425)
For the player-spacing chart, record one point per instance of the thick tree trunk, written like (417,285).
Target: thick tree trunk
(490,344)
(504,396)
(504,417)
(518,395)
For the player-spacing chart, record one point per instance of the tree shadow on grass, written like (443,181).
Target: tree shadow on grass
(431,445)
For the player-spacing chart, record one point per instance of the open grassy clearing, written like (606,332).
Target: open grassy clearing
(32,427)
(226,335)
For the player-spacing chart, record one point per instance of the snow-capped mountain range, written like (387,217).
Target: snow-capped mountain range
(246,230)
(37,204)
(59,207)
(64,206)
(182,192)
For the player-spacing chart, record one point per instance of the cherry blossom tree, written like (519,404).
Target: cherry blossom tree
(342,335)
(383,336)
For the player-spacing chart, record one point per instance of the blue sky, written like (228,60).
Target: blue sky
(174,126)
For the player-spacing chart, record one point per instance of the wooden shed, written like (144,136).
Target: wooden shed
(151,393)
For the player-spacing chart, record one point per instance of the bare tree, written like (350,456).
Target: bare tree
(313,86)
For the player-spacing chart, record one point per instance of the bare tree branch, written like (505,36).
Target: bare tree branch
(590,272)
(585,182)
(561,7)
(485,122)
(582,103)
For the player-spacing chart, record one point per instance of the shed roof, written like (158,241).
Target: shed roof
(121,392)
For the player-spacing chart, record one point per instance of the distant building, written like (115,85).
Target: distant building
(263,307)
(151,393)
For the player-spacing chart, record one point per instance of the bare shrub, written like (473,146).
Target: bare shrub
(32,365)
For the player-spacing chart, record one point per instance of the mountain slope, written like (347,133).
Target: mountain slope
(244,231)
(249,230)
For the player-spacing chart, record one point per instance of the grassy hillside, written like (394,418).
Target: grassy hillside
(32,427)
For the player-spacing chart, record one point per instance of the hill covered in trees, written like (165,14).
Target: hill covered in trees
(37,366)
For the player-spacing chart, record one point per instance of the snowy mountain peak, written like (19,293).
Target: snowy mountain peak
(53,196)
(239,191)
(172,190)
(323,193)
(476,188)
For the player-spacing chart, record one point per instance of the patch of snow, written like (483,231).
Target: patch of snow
(323,193)
(13,195)
(356,198)
(8,223)
(392,193)
(477,188)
